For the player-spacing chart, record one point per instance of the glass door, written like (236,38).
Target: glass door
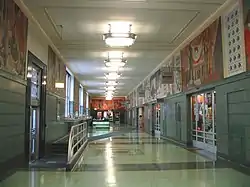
(157,119)
(203,121)
(35,96)
(34,133)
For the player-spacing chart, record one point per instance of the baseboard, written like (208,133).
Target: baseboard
(241,167)
(10,166)
(178,142)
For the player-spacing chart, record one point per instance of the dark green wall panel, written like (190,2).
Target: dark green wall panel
(176,120)
(12,119)
(55,128)
(232,119)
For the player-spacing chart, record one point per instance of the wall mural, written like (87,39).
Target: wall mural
(140,98)
(246,12)
(177,86)
(147,90)
(84,98)
(202,58)
(76,94)
(101,103)
(56,73)
(165,90)
(134,98)
(155,84)
(131,101)
(13,36)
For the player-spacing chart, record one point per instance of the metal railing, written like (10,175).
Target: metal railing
(77,140)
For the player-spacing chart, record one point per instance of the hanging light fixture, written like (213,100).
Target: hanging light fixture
(109,98)
(109,95)
(110,88)
(119,39)
(115,62)
(112,75)
(111,83)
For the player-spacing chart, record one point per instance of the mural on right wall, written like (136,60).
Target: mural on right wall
(246,12)
(202,58)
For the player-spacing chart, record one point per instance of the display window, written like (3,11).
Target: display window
(203,120)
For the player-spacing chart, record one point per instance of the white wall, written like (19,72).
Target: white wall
(37,43)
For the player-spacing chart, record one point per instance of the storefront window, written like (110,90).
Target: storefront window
(203,118)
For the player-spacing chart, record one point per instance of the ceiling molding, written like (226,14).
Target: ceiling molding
(172,5)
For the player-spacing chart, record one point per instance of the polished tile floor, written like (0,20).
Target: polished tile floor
(134,160)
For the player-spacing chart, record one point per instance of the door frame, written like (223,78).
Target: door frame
(33,60)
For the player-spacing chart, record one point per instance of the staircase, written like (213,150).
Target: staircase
(60,148)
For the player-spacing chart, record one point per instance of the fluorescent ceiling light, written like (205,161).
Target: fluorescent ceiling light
(119,41)
(109,98)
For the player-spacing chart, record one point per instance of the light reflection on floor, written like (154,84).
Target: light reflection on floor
(134,160)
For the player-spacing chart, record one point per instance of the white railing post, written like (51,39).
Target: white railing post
(77,139)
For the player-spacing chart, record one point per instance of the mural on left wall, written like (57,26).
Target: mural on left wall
(13,38)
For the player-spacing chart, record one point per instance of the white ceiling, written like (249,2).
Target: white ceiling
(76,27)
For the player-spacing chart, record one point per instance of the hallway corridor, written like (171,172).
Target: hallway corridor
(135,159)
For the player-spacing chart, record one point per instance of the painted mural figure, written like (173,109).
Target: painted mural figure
(198,58)
(2,34)
(13,38)
(247,37)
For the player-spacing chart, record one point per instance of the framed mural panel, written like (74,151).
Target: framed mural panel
(13,36)
(246,16)
(155,84)
(51,73)
(102,104)
(147,90)
(202,58)
(56,73)
(233,41)
(177,86)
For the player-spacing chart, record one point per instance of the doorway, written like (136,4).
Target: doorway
(156,118)
(35,109)
(203,121)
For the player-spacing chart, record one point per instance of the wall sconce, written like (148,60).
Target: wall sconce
(29,72)
(44,82)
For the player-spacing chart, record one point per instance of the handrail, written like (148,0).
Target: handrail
(77,139)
